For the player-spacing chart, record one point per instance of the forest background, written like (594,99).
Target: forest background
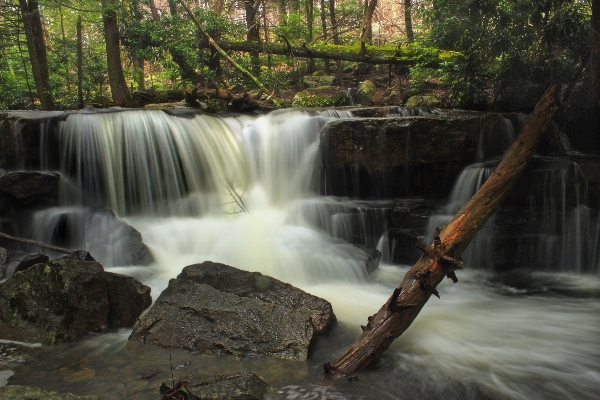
(473,54)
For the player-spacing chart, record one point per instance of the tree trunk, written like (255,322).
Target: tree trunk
(441,258)
(324,28)
(118,86)
(410,36)
(310,19)
(79,64)
(36,45)
(336,40)
(216,46)
(367,31)
(253,31)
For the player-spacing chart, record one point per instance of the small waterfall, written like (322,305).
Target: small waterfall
(568,228)
(479,253)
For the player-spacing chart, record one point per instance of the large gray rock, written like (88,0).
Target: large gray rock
(17,392)
(255,285)
(66,298)
(238,386)
(245,314)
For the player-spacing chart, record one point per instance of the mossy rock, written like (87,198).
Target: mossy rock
(327,96)
(423,101)
(65,299)
(368,87)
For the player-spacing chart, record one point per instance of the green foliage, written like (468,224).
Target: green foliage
(508,40)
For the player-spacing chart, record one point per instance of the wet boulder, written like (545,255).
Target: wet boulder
(237,386)
(63,299)
(217,309)
(17,392)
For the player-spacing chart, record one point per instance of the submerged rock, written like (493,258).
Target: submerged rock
(217,309)
(114,242)
(65,298)
(17,392)
(238,386)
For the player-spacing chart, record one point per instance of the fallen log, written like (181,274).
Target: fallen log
(36,244)
(442,257)
(431,58)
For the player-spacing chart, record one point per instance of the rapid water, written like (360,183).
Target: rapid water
(237,190)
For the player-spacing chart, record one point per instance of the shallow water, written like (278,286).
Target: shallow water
(483,339)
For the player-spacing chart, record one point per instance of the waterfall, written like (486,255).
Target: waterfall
(479,253)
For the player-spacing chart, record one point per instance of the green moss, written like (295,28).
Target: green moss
(18,303)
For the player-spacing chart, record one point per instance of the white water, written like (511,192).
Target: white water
(484,339)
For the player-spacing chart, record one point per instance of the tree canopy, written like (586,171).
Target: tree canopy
(123,48)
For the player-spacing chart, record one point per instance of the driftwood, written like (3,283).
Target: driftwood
(36,244)
(441,258)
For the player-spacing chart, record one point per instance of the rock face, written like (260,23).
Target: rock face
(28,186)
(217,309)
(16,392)
(401,156)
(326,96)
(64,299)
(238,386)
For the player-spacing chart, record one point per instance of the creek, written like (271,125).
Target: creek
(241,190)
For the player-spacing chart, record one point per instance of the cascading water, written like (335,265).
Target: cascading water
(237,190)
(479,253)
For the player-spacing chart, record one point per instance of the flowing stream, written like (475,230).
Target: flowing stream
(236,190)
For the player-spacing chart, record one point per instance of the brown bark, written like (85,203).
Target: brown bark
(410,35)
(367,31)
(116,78)
(441,258)
(36,46)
